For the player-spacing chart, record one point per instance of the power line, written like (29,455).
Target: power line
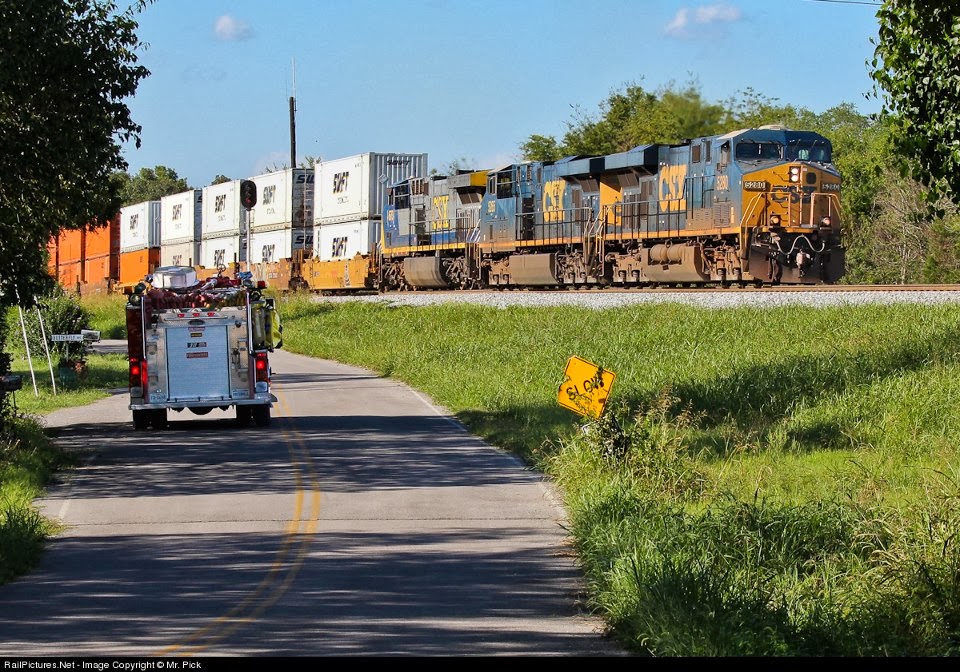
(851,2)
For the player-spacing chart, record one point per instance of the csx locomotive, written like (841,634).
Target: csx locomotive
(753,206)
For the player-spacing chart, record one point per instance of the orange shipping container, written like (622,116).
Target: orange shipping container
(68,275)
(103,240)
(71,246)
(98,269)
(134,266)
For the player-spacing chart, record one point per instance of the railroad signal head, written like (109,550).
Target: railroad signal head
(248,193)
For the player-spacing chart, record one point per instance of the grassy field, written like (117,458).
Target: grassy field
(763,482)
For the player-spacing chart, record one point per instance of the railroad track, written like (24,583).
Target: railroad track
(686,290)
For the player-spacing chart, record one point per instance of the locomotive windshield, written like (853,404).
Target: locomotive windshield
(808,150)
(750,150)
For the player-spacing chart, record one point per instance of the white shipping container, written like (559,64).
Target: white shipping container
(140,226)
(355,187)
(181,216)
(222,251)
(270,246)
(180,254)
(222,212)
(284,199)
(345,240)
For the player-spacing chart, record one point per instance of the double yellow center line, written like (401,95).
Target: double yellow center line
(289,558)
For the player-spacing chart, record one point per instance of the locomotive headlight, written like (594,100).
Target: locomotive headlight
(774,220)
(794,173)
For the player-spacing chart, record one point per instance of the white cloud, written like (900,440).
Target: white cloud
(703,15)
(716,14)
(678,26)
(231,29)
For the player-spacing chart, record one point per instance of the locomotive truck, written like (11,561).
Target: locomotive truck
(199,345)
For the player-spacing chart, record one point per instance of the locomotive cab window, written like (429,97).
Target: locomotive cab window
(505,184)
(758,151)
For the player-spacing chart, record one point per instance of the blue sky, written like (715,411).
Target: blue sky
(465,80)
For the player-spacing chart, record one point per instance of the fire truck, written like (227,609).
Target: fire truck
(197,346)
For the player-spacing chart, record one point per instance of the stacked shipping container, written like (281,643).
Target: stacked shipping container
(349,199)
(139,242)
(180,228)
(330,212)
(222,223)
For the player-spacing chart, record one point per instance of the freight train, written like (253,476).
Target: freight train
(754,206)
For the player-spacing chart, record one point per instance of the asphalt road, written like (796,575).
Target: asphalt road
(364,521)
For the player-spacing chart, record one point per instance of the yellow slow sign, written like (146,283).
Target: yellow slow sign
(585,387)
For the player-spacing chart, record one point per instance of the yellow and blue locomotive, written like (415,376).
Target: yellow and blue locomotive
(752,206)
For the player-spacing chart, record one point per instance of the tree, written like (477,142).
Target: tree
(633,116)
(916,65)
(220,179)
(66,68)
(540,148)
(150,184)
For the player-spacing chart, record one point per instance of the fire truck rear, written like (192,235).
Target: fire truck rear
(198,346)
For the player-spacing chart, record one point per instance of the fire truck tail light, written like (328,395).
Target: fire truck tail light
(138,373)
(261,367)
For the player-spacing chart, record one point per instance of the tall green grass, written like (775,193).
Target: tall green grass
(28,458)
(765,482)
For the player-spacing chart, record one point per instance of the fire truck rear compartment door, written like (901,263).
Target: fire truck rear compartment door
(197,363)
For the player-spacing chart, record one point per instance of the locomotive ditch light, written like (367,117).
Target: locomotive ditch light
(826,221)
(774,220)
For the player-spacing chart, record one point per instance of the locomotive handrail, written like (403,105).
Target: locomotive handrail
(749,210)
(833,202)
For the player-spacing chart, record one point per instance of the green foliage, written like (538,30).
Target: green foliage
(67,68)
(56,313)
(220,179)
(150,184)
(541,148)
(916,66)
